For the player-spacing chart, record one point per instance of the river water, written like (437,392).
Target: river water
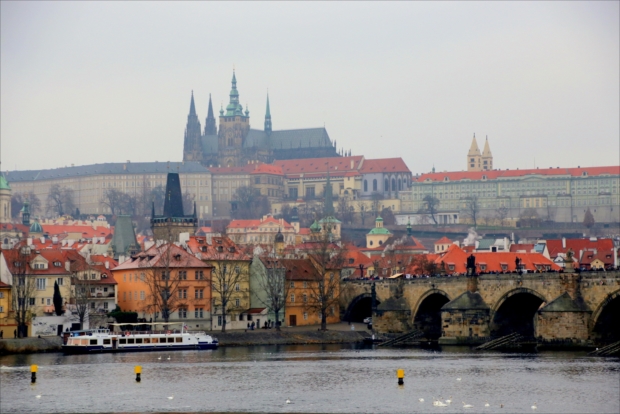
(315,378)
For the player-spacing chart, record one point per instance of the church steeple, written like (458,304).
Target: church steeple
(192,150)
(268,118)
(487,157)
(210,127)
(234,108)
(474,162)
(328,205)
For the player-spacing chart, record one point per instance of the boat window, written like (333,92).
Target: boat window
(178,339)
(170,340)
(130,340)
(83,341)
(155,340)
(106,341)
(122,341)
(93,342)
(147,340)
(138,340)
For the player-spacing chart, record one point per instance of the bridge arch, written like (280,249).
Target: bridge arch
(359,308)
(515,311)
(427,313)
(605,322)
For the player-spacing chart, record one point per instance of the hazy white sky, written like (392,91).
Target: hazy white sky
(88,82)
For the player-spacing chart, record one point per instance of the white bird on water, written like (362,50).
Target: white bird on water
(288,401)
(171,397)
(159,358)
(458,379)
(486,404)
(449,400)
(421,399)
(38,396)
(534,407)
(467,405)
(438,403)
(168,358)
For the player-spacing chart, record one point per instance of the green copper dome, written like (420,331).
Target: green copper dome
(36,227)
(315,227)
(379,230)
(4,184)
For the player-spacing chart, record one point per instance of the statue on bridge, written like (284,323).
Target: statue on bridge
(471,265)
(518,265)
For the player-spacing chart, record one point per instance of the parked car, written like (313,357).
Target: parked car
(368,320)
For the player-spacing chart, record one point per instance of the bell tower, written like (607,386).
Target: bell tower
(192,149)
(474,159)
(487,157)
(234,127)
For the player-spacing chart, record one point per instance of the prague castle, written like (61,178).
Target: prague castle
(236,144)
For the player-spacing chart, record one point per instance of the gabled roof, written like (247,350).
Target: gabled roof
(52,256)
(288,139)
(255,224)
(382,165)
(300,269)
(305,166)
(444,240)
(166,255)
(555,246)
(564,303)
(468,300)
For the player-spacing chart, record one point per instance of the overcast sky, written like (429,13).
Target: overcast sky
(87,82)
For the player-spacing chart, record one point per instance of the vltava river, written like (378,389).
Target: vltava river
(325,379)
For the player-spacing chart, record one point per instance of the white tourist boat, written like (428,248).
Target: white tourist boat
(104,340)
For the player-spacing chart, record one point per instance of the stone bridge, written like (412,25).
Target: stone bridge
(563,309)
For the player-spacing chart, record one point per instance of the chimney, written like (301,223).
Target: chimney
(29,241)
(107,264)
(352,164)
(564,242)
(68,266)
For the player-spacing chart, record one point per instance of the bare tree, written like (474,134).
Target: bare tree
(388,217)
(501,213)
(249,203)
(363,213)
(60,200)
(82,284)
(588,219)
(345,210)
(376,203)
(23,290)
(430,205)
(529,218)
(17,202)
(472,208)
(230,271)
(157,197)
(112,198)
(328,259)
(272,282)
(188,202)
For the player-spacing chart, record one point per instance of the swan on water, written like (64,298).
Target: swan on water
(486,404)
(458,379)
(168,358)
(159,358)
(467,405)
(38,396)
(438,403)
(534,406)
(421,399)
(288,401)
(171,397)
(449,400)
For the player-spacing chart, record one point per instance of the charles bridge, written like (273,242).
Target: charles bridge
(552,309)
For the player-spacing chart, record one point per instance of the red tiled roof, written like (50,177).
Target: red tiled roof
(315,165)
(244,224)
(87,232)
(13,256)
(384,165)
(443,240)
(299,269)
(495,174)
(555,246)
(152,258)
(525,247)
(493,260)
(267,169)
(4,285)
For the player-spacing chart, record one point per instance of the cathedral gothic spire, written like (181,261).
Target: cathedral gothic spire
(210,127)
(268,118)
(192,150)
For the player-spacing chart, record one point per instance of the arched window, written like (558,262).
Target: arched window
(374,185)
(400,184)
(393,184)
(365,185)
(386,185)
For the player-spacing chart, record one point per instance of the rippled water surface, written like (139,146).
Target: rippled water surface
(328,378)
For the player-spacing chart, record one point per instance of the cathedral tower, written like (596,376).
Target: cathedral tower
(474,159)
(268,118)
(234,127)
(192,149)
(210,127)
(487,157)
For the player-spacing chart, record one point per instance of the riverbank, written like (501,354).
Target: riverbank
(336,334)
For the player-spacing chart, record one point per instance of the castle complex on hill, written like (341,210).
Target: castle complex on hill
(236,144)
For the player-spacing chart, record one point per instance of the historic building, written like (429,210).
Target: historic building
(477,161)
(236,144)
(174,221)
(501,196)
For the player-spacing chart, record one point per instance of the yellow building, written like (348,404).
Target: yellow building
(8,325)
(230,279)
(377,236)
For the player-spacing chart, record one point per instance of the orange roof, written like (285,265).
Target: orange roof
(319,165)
(384,165)
(443,240)
(153,258)
(267,169)
(496,174)
(555,246)
(53,256)
(87,232)
(494,261)
(526,247)
(252,224)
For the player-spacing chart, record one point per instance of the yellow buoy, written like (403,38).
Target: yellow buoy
(33,373)
(400,374)
(137,370)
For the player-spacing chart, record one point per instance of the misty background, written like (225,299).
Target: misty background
(95,82)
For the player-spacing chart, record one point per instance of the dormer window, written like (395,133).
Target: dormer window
(584,174)
(57,264)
